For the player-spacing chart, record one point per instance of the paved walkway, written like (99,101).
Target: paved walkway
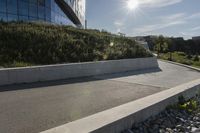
(169,76)
(36,107)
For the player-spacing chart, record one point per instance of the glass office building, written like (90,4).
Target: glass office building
(63,12)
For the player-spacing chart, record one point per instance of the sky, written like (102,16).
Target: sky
(177,18)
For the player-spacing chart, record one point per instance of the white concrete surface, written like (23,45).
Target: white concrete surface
(74,70)
(122,117)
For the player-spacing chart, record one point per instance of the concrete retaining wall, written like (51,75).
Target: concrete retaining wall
(73,70)
(123,117)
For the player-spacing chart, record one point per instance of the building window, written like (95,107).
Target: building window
(41,12)
(23,8)
(2,5)
(12,17)
(33,10)
(48,14)
(41,2)
(12,6)
(33,2)
(3,17)
(23,18)
(47,3)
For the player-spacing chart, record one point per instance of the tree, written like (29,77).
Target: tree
(161,44)
(170,48)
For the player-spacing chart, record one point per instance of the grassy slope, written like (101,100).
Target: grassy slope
(24,44)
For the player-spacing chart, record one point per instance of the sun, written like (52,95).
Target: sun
(132,4)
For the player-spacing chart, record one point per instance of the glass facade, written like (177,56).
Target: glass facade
(40,10)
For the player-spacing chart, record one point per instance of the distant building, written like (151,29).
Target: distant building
(149,39)
(178,38)
(139,38)
(197,38)
(143,44)
(122,34)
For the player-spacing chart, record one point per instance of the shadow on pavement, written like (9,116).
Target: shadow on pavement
(74,80)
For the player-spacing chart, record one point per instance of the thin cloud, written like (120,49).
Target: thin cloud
(169,21)
(194,16)
(158,3)
(154,27)
(118,23)
(165,22)
(195,28)
(188,34)
(174,17)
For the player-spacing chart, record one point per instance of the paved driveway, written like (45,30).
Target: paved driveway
(36,107)
(169,76)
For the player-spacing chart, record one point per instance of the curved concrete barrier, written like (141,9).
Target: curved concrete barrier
(73,70)
(176,63)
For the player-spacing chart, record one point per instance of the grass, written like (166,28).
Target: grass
(24,44)
(15,64)
(183,58)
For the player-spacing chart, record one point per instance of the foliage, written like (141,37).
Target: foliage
(181,100)
(36,44)
(196,58)
(183,58)
(17,64)
(185,105)
(170,44)
(188,106)
(162,44)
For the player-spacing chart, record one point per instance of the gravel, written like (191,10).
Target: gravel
(172,120)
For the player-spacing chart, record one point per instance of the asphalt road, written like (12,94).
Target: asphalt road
(37,107)
(169,76)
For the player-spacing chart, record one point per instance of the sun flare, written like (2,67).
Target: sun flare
(132,4)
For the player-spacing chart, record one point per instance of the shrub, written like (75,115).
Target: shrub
(181,53)
(196,58)
(188,106)
(186,62)
(189,56)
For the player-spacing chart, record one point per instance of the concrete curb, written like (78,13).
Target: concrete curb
(194,68)
(118,119)
(73,70)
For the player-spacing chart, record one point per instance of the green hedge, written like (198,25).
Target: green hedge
(35,43)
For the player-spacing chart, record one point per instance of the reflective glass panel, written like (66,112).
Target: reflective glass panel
(3,17)
(23,8)
(41,12)
(12,6)
(23,18)
(12,17)
(2,5)
(32,10)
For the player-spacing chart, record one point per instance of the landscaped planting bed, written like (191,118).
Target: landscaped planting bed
(181,118)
